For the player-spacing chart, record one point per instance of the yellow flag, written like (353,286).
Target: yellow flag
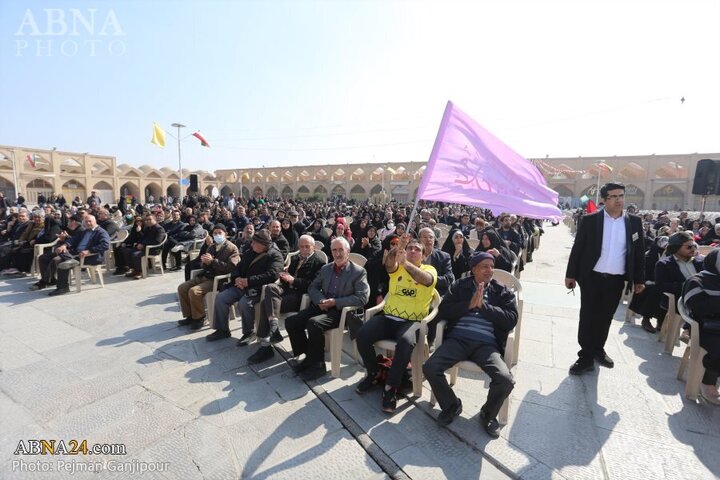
(158,137)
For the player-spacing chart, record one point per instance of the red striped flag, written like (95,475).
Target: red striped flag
(32,158)
(203,142)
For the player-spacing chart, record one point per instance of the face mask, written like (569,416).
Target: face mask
(219,238)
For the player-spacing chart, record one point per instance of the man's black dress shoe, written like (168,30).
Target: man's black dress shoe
(604,360)
(581,366)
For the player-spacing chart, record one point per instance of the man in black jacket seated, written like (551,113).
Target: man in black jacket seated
(258,267)
(152,234)
(285,296)
(480,313)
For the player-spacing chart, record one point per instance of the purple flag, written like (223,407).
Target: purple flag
(469,165)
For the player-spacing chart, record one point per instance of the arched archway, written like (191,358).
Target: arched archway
(338,191)
(633,195)
(208,190)
(357,193)
(245,192)
(591,191)
(8,189)
(376,190)
(105,191)
(72,189)
(153,190)
(173,190)
(272,193)
(287,193)
(668,197)
(130,189)
(303,192)
(258,192)
(565,195)
(320,192)
(37,186)
(401,193)
(224,191)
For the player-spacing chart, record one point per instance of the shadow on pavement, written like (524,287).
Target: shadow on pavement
(570,431)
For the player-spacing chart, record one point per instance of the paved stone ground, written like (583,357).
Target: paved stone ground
(111,366)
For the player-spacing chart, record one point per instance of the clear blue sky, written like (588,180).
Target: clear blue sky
(320,82)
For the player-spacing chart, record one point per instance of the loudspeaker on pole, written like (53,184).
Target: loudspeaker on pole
(707,178)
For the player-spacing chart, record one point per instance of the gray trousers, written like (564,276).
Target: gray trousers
(224,301)
(487,357)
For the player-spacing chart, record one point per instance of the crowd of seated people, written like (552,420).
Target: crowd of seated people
(251,239)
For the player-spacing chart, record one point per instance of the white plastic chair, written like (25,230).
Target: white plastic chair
(333,337)
(536,241)
(194,251)
(93,271)
(421,350)
(120,237)
(670,330)
(515,264)
(210,296)
(357,259)
(322,255)
(39,249)
(289,258)
(473,242)
(154,259)
(691,367)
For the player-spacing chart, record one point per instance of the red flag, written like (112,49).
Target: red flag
(203,142)
(591,207)
(32,159)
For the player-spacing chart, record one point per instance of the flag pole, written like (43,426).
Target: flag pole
(433,154)
(15,178)
(180,179)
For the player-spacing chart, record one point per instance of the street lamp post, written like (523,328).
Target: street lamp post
(382,180)
(180,179)
(14,171)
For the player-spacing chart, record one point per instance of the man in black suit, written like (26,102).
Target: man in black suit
(608,250)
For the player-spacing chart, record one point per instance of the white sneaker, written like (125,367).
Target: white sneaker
(710,393)
(177,248)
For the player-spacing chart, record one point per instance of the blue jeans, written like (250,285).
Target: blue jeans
(224,301)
